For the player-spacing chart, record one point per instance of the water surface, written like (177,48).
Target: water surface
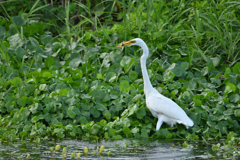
(121,149)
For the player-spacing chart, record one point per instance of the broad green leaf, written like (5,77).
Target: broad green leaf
(187,96)
(34,42)
(197,102)
(184,65)
(141,113)
(83,120)
(234,98)
(46,74)
(127,132)
(210,65)
(42,87)
(49,62)
(74,63)
(229,88)
(237,113)
(95,112)
(133,75)
(22,101)
(175,58)
(95,129)
(118,137)
(178,71)
(24,112)
(100,107)
(111,77)
(63,92)
(124,85)
(107,114)
(71,113)
(99,76)
(2,32)
(236,68)
(19,21)
(168,77)
(20,52)
(98,94)
(17,82)
(215,147)
(204,71)
(227,72)
(47,39)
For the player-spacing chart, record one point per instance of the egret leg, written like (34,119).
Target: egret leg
(159,123)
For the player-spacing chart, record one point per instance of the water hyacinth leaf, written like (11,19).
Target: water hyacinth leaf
(74,63)
(124,85)
(42,87)
(2,32)
(15,40)
(22,101)
(187,96)
(71,113)
(95,129)
(141,113)
(100,107)
(46,74)
(215,147)
(98,94)
(95,112)
(49,62)
(99,76)
(216,61)
(234,98)
(17,82)
(47,39)
(229,88)
(133,75)
(204,71)
(19,21)
(210,65)
(197,102)
(34,42)
(107,114)
(168,77)
(236,68)
(127,132)
(127,63)
(20,52)
(118,137)
(184,65)
(178,71)
(237,113)
(24,112)
(175,58)
(227,72)
(111,77)
(83,120)
(144,133)
(63,92)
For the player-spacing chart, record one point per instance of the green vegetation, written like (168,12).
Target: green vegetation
(66,78)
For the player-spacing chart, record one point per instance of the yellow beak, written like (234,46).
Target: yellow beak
(123,44)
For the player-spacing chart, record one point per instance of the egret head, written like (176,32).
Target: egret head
(136,41)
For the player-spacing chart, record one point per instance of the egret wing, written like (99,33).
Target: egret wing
(163,105)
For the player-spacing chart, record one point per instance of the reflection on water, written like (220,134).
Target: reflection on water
(122,149)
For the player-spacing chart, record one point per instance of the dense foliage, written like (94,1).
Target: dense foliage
(78,84)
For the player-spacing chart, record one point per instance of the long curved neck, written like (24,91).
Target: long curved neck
(146,80)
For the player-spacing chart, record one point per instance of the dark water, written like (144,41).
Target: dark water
(122,149)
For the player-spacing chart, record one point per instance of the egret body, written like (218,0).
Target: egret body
(160,106)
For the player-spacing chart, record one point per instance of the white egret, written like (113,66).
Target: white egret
(160,106)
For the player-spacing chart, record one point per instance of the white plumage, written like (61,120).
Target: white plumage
(160,106)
